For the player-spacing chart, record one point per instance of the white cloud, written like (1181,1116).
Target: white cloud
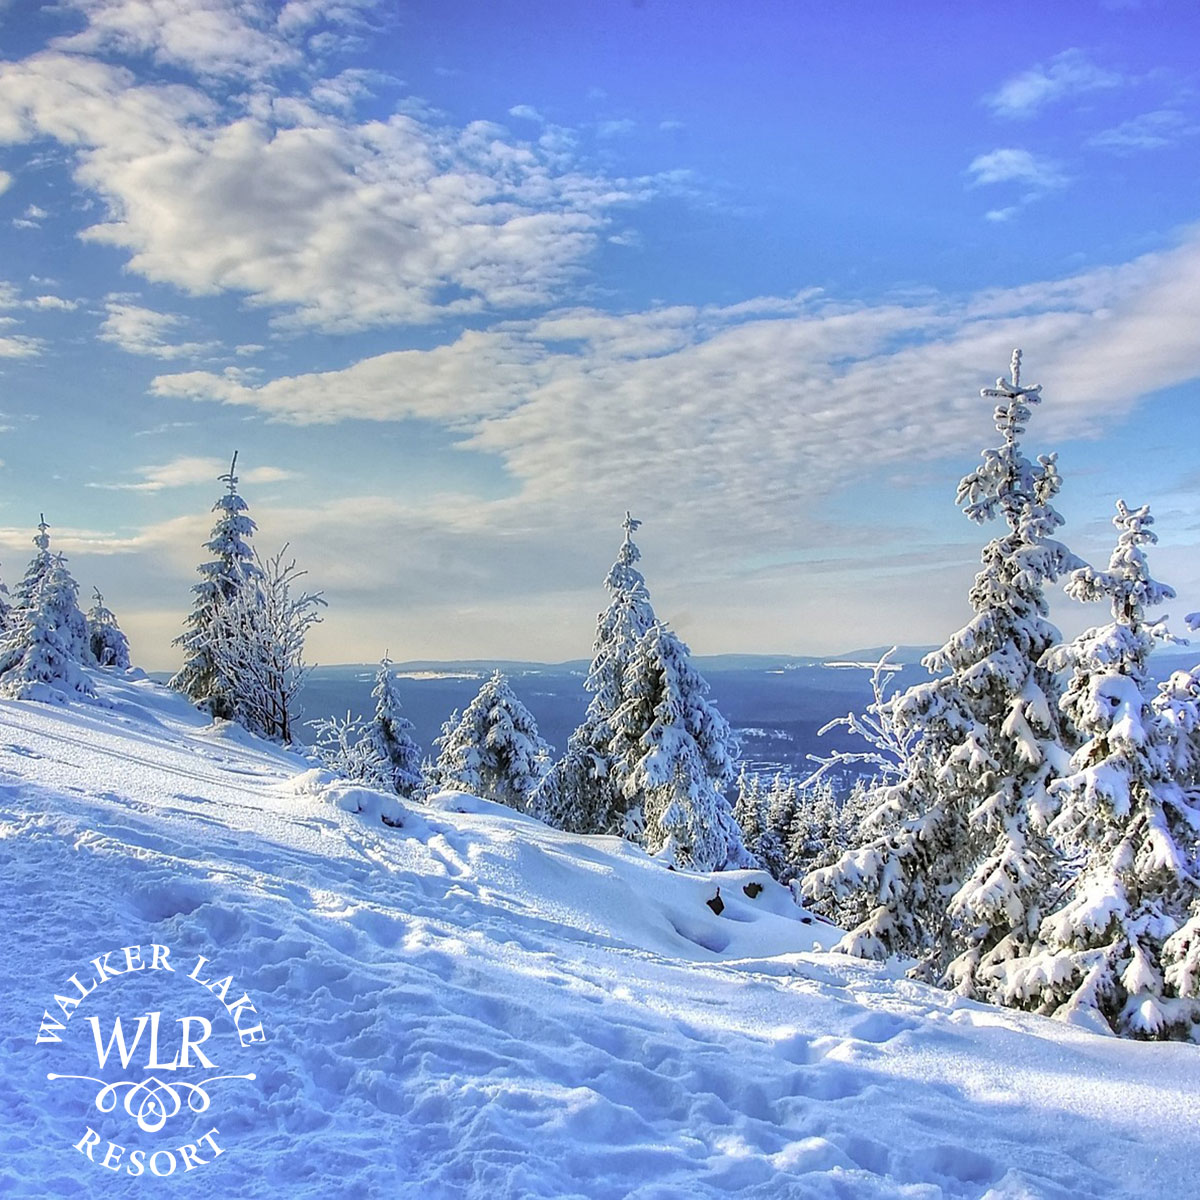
(726,423)
(526,112)
(1070,73)
(56,303)
(344,224)
(479,374)
(1013,165)
(20,347)
(187,471)
(5,182)
(1149,131)
(138,330)
(239,38)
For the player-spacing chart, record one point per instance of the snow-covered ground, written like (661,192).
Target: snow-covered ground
(471,1004)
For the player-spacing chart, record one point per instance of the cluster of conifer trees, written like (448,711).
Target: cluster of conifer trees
(1036,841)
(46,639)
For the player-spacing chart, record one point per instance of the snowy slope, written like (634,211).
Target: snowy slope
(474,1005)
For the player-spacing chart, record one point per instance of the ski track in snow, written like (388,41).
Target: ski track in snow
(475,1005)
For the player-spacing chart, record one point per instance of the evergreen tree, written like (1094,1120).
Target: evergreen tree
(343,746)
(955,863)
(108,644)
(256,647)
(39,566)
(750,813)
(390,735)
(677,756)
(231,568)
(1129,826)
(430,767)
(5,606)
(49,587)
(43,648)
(585,791)
(495,750)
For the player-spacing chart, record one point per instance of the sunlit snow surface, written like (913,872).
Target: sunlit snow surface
(475,1005)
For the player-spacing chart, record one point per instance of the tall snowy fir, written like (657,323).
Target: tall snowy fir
(44,646)
(106,640)
(960,872)
(676,756)
(390,735)
(231,568)
(585,790)
(494,750)
(39,566)
(1129,826)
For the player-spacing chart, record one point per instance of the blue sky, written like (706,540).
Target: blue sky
(461,282)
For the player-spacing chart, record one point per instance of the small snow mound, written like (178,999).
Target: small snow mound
(451,801)
(370,803)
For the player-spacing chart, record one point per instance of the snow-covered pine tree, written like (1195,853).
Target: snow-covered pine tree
(585,791)
(343,746)
(677,756)
(813,829)
(1129,826)
(232,567)
(49,586)
(256,645)
(430,767)
(955,863)
(44,646)
(107,642)
(495,750)
(38,567)
(1178,704)
(390,735)
(750,813)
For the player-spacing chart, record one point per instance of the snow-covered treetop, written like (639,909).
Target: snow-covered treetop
(1007,482)
(1127,582)
(234,558)
(624,577)
(1124,646)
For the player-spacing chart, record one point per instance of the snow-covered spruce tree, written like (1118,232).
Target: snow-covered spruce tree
(42,650)
(584,792)
(343,746)
(1129,825)
(955,863)
(814,825)
(677,756)
(231,567)
(431,778)
(5,606)
(108,644)
(750,813)
(390,738)
(256,645)
(38,567)
(1178,705)
(495,750)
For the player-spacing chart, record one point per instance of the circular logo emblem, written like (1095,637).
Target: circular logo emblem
(149,1047)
